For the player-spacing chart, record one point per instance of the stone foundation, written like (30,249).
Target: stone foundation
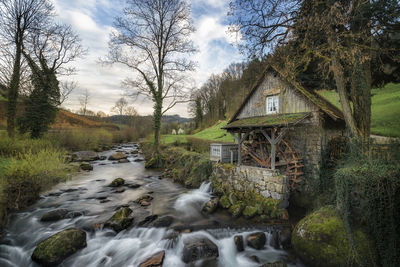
(268,183)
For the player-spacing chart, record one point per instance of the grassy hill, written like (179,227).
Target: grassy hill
(64,119)
(385,109)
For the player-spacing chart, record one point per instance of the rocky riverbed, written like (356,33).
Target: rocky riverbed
(120,214)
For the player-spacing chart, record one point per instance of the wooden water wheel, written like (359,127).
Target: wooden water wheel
(293,161)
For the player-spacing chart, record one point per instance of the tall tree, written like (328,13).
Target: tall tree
(84,99)
(17,19)
(153,39)
(120,106)
(341,34)
(47,54)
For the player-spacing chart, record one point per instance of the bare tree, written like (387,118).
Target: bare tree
(84,101)
(17,19)
(66,89)
(153,39)
(120,106)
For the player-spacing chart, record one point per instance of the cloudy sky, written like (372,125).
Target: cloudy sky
(93,21)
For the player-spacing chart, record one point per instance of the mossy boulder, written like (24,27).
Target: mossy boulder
(256,240)
(236,210)
(54,215)
(249,212)
(211,205)
(320,239)
(117,182)
(86,167)
(224,202)
(53,250)
(120,220)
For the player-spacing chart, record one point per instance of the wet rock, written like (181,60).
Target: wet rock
(119,190)
(255,258)
(275,264)
(146,198)
(199,249)
(133,186)
(156,260)
(286,238)
(236,210)
(101,197)
(138,160)
(117,156)
(102,158)
(148,220)
(104,200)
(274,241)
(249,212)
(85,156)
(74,214)
(238,239)
(54,215)
(53,250)
(123,161)
(55,194)
(86,167)
(163,221)
(134,152)
(144,203)
(117,182)
(120,220)
(211,205)
(256,240)
(69,190)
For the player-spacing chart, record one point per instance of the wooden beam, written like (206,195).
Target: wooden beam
(235,137)
(239,148)
(273,149)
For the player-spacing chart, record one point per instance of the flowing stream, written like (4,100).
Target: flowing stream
(88,195)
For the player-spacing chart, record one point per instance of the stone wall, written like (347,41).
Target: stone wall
(268,183)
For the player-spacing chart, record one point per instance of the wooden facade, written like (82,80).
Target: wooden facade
(292,134)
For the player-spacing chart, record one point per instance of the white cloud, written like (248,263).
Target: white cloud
(91,19)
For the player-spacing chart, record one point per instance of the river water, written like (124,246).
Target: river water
(87,194)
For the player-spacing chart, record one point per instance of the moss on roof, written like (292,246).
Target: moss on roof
(267,121)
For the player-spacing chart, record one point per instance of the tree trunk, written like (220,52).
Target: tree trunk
(157,124)
(338,74)
(361,97)
(13,89)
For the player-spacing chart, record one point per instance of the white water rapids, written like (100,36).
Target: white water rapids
(130,247)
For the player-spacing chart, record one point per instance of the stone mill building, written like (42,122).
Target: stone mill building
(281,129)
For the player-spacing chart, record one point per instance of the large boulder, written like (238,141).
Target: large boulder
(256,240)
(120,220)
(236,209)
(53,250)
(163,221)
(211,205)
(156,260)
(238,240)
(320,239)
(85,156)
(117,156)
(224,202)
(249,212)
(54,215)
(200,248)
(117,182)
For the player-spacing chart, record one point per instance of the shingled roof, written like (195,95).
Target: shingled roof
(322,103)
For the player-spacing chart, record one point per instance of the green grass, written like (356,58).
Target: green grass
(385,109)
(214,133)
(3,165)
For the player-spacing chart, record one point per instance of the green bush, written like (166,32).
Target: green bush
(199,145)
(368,193)
(30,173)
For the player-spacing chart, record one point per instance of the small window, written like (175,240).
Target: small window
(272,104)
(216,151)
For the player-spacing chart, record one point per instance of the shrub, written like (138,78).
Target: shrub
(28,174)
(81,139)
(19,145)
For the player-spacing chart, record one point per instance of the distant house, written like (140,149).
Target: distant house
(282,125)
(181,131)
(174,132)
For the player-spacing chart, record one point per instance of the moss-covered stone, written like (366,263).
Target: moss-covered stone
(117,182)
(86,167)
(53,250)
(120,220)
(249,212)
(224,202)
(320,239)
(236,210)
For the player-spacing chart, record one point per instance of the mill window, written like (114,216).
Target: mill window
(272,104)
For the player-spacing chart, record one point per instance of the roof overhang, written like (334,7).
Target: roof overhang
(269,121)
